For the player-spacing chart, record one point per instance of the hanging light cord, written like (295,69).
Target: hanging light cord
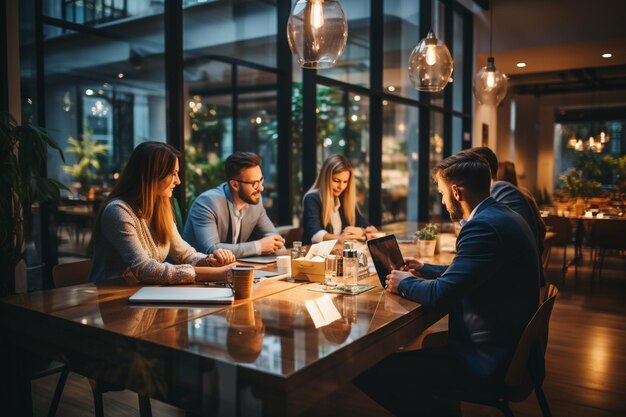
(491,28)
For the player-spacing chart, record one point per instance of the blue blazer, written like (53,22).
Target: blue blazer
(522,203)
(491,289)
(312,217)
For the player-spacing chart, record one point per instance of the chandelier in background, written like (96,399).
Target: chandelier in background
(490,85)
(317,32)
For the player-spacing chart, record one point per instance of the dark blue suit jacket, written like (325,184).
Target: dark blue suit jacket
(312,217)
(520,202)
(491,289)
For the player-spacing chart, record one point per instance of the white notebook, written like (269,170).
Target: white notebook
(184,295)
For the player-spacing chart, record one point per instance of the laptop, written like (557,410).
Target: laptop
(386,256)
(183,295)
(261,259)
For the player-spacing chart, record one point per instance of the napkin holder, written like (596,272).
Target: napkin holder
(308,270)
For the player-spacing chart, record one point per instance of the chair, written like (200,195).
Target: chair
(527,368)
(563,229)
(605,234)
(74,273)
(547,250)
(293,235)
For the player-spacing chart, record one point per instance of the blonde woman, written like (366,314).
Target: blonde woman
(330,209)
(135,231)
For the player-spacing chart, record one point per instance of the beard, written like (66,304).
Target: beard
(253,198)
(455,210)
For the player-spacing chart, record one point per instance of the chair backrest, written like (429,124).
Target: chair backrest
(547,249)
(608,234)
(293,235)
(535,333)
(562,227)
(71,273)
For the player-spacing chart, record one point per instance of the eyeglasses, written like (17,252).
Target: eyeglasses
(255,184)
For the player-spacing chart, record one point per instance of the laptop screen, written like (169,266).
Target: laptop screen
(386,256)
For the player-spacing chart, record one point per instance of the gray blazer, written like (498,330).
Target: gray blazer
(211,219)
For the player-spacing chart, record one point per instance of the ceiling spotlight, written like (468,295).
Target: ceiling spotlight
(607,55)
(120,75)
(89,92)
(521,65)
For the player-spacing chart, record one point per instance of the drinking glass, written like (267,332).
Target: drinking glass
(330,273)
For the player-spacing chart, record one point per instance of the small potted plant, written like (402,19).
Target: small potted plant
(427,240)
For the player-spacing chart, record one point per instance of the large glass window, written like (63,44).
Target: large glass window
(354,64)
(100,103)
(399,196)
(400,36)
(436,154)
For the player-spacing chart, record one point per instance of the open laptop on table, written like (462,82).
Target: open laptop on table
(183,295)
(386,256)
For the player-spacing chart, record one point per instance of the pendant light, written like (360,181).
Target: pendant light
(317,32)
(490,84)
(430,64)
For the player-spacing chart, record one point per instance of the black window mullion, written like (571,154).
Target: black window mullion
(423,147)
(448,91)
(234,104)
(174,84)
(376,112)
(309,128)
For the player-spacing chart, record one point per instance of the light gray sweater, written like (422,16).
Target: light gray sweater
(125,249)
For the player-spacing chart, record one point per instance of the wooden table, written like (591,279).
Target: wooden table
(260,356)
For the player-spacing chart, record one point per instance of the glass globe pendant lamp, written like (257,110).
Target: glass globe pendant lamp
(490,85)
(317,32)
(430,64)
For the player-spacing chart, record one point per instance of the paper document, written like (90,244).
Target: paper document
(321,249)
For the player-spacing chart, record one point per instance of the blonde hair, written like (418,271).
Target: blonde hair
(148,165)
(335,164)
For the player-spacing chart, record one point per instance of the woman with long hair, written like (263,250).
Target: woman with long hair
(330,209)
(506,172)
(135,229)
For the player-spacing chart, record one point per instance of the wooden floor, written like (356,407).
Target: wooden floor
(586,360)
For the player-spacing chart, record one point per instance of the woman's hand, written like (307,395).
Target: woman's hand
(210,273)
(221,257)
(353,233)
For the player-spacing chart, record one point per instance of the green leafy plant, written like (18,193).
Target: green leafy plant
(428,232)
(576,184)
(618,168)
(23,150)
(87,166)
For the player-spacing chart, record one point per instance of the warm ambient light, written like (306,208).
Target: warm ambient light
(607,55)
(521,65)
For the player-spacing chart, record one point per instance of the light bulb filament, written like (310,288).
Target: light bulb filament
(317,14)
(491,79)
(431,55)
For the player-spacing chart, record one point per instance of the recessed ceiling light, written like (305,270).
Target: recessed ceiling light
(521,65)
(607,55)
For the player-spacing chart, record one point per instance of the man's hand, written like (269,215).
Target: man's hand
(221,257)
(393,280)
(270,244)
(412,265)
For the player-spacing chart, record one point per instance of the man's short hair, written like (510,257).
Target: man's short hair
(489,156)
(239,161)
(465,169)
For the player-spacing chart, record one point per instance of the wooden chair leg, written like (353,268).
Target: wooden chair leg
(503,406)
(145,409)
(56,398)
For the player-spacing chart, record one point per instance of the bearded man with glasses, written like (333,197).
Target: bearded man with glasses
(231,216)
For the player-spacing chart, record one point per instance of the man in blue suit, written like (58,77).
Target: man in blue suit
(491,291)
(517,200)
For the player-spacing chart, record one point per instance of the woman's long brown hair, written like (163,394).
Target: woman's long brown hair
(148,165)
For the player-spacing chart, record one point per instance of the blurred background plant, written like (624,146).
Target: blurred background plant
(428,232)
(86,169)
